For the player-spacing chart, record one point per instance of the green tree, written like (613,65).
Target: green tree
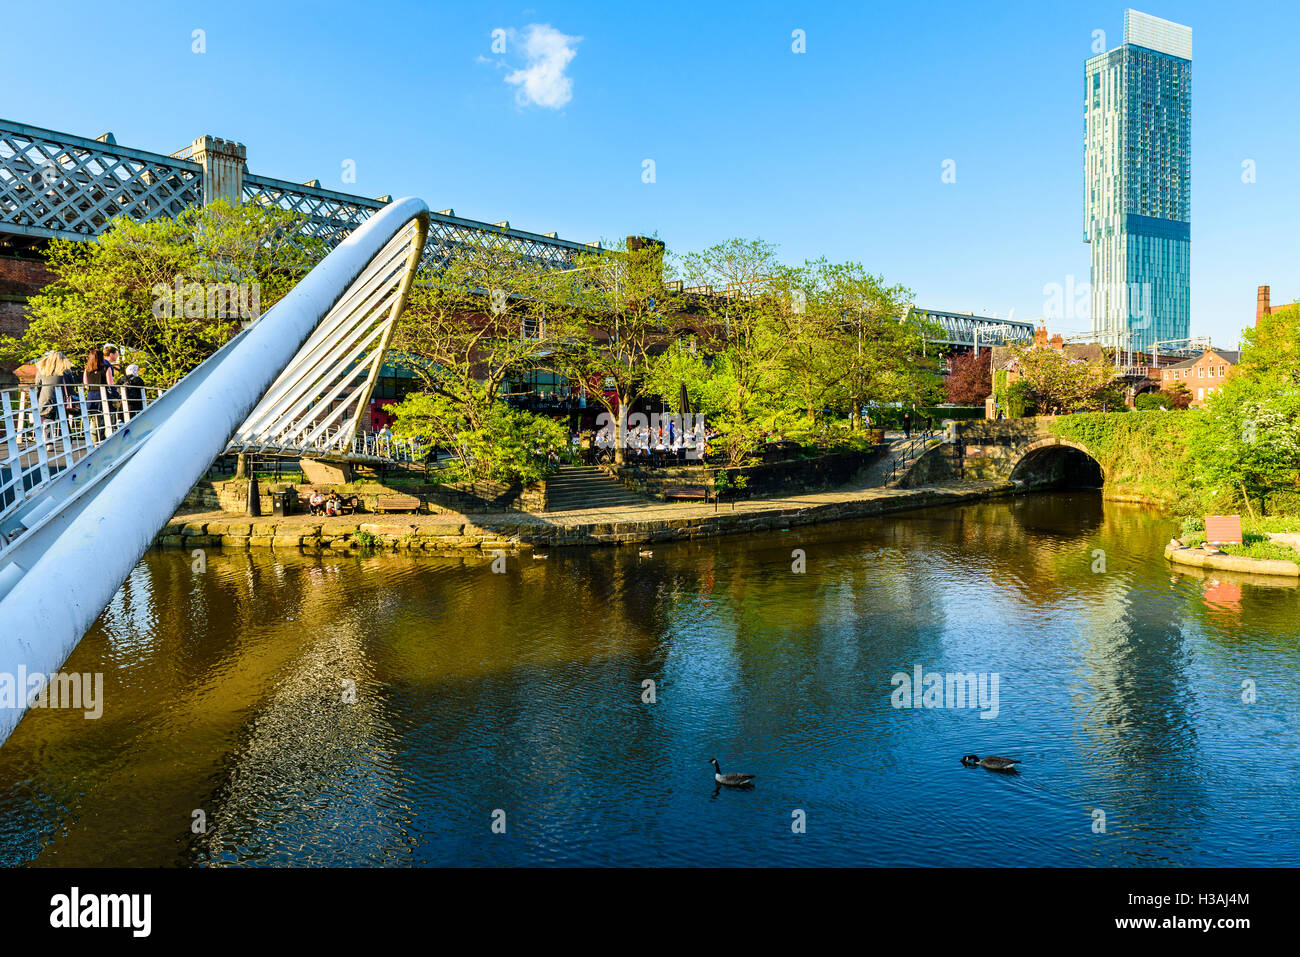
(1271,349)
(498,443)
(1061,382)
(120,287)
(470,326)
(745,317)
(622,323)
(1247,440)
(1246,443)
(854,349)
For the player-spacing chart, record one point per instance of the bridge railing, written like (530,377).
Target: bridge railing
(44,430)
(903,454)
(338,442)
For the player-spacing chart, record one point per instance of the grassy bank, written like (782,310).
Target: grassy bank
(1255,541)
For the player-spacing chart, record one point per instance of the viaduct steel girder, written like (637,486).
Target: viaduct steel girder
(58,185)
(65,186)
(959,329)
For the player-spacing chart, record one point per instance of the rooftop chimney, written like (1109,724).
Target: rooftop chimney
(1261,304)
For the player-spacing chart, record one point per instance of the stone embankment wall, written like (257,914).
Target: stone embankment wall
(231,495)
(789,477)
(685,523)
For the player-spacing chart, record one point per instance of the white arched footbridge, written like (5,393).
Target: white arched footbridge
(77,515)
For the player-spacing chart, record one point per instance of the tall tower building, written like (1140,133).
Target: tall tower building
(1137,183)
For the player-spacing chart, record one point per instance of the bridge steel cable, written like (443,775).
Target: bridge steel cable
(72,542)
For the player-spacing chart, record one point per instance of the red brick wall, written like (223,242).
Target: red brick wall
(19,279)
(22,275)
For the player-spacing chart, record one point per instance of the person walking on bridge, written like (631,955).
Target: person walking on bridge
(132,392)
(51,371)
(97,377)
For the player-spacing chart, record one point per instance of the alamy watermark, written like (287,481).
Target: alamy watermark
(1073,300)
(75,691)
(670,431)
(207,300)
(938,689)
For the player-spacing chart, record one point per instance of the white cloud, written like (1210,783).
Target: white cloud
(542,82)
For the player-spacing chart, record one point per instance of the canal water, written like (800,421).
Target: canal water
(390,710)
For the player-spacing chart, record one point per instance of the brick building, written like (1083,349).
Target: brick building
(20,278)
(1201,375)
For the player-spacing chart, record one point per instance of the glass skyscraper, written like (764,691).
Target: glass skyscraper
(1137,183)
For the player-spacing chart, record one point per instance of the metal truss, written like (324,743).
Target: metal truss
(316,404)
(59,185)
(959,329)
(330,216)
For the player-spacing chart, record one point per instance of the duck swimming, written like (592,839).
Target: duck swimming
(991,763)
(731,779)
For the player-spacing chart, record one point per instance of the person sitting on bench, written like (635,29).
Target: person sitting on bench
(316,502)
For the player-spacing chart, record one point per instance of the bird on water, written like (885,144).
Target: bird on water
(731,779)
(991,763)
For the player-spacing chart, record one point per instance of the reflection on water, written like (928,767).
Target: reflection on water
(378,710)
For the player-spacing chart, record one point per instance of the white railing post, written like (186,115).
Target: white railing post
(42,457)
(106,414)
(22,407)
(62,423)
(83,412)
(11,437)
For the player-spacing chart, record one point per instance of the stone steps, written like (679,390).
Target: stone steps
(586,486)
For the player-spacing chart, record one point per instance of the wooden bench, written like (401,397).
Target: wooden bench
(398,503)
(700,492)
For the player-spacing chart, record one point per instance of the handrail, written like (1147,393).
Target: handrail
(46,429)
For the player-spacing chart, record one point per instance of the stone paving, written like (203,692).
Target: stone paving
(652,521)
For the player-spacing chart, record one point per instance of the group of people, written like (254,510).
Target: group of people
(111,394)
(322,504)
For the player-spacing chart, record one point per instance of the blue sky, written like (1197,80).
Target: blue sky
(836,151)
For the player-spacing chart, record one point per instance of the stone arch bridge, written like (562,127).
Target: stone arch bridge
(1023,451)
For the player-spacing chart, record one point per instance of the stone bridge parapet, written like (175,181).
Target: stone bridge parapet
(1005,450)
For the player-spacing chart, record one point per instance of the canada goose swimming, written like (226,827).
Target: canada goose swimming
(992,763)
(731,779)
(645,553)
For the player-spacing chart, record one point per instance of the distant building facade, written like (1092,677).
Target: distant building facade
(1202,375)
(1137,184)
